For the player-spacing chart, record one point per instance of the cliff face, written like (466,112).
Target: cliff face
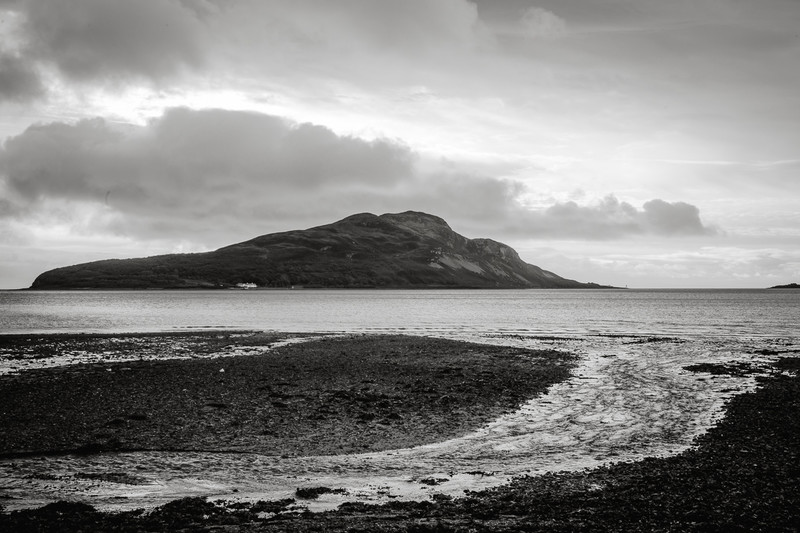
(402,250)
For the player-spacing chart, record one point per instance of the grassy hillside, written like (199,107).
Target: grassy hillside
(405,250)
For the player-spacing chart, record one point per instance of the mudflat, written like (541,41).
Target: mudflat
(324,396)
(741,475)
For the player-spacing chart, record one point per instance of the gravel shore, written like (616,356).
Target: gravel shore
(742,475)
(321,397)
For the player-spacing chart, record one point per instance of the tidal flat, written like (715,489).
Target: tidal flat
(365,394)
(325,396)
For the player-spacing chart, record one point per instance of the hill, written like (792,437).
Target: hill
(402,250)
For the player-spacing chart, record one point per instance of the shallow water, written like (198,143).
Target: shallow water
(629,398)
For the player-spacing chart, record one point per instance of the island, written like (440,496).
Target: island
(394,250)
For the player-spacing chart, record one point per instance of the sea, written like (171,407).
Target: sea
(631,395)
(755,313)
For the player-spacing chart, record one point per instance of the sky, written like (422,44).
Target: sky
(635,143)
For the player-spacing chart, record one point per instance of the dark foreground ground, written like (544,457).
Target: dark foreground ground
(742,476)
(327,396)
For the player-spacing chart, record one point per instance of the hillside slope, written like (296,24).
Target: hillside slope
(402,250)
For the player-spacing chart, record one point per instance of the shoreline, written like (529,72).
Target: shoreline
(741,476)
(273,402)
(508,507)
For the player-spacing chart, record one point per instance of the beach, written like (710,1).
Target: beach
(368,393)
(322,397)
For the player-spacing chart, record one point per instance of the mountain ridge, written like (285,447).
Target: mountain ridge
(394,250)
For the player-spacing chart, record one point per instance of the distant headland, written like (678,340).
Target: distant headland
(788,286)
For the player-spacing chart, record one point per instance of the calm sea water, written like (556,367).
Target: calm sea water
(755,313)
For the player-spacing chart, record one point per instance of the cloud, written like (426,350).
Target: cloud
(612,219)
(157,40)
(221,175)
(195,170)
(19,81)
(677,218)
(8,209)
(386,24)
(352,45)
(114,39)
(540,23)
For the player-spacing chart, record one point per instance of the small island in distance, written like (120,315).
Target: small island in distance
(787,286)
(398,250)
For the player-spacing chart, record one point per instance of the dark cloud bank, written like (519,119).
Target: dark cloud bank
(117,42)
(232,174)
(19,81)
(100,40)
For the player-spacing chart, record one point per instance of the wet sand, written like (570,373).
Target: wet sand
(324,397)
(630,398)
(154,424)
